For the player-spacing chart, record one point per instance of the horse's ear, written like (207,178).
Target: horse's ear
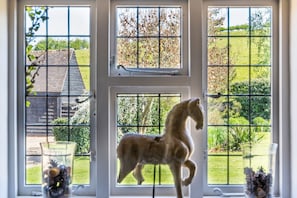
(196,100)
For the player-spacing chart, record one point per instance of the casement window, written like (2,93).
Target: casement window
(149,38)
(241,64)
(55,66)
(91,71)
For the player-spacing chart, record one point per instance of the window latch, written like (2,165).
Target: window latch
(149,70)
(92,95)
(218,95)
(222,194)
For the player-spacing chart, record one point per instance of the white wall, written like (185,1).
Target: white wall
(3,98)
(293,90)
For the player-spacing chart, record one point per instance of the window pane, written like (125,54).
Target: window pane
(239,68)
(57,85)
(148,37)
(145,114)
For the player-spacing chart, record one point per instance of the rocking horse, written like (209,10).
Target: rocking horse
(174,147)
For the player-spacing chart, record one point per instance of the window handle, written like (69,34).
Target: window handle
(218,95)
(222,194)
(92,95)
(149,70)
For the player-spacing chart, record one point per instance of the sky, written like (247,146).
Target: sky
(79,18)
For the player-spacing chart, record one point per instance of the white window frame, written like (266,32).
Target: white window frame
(24,189)
(118,71)
(9,180)
(136,190)
(211,189)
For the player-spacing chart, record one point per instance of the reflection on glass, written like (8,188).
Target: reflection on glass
(148,22)
(148,37)
(148,54)
(217,109)
(127,52)
(170,21)
(170,56)
(217,80)
(261,21)
(217,51)
(261,51)
(217,21)
(126,22)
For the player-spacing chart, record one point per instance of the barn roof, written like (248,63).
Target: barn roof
(55,72)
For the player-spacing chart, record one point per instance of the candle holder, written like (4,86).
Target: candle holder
(57,163)
(259,166)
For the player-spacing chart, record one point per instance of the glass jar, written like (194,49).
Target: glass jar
(57,163)
(259,165)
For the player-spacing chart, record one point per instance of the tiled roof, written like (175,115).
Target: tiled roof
(55,72)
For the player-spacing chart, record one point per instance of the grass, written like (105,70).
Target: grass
(81,172)
(218,172)
(223,169)
(148,175)
(83,59)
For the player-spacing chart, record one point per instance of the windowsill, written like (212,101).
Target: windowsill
(125,197)
(132,196)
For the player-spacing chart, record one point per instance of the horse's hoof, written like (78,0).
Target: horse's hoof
(140,182)
(186,182)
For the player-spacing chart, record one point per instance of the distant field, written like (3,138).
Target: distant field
(83,59)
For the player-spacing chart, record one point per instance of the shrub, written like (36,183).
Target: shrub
(260,105)
(217,138)
(240,133)
(79,130)
(261,124)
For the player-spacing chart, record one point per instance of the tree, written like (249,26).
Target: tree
(37,16)
(55,44)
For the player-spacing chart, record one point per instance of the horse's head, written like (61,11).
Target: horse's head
(195,111)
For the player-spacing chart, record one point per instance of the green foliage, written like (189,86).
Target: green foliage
(240,133)
(260,124)
(260,105)
(143,113)
(217,138)
(37,16)
(54,44)
(76,129)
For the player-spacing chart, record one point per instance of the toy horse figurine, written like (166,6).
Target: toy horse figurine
(174,147)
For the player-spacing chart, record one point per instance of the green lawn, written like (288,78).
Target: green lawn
(81,172)
(83,59)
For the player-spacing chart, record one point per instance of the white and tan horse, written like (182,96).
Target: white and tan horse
(174,147)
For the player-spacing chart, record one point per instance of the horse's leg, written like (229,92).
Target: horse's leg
(175,168)
(126,166)
(138,174)
(192,170)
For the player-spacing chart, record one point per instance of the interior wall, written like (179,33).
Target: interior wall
(293,92)
(4,97)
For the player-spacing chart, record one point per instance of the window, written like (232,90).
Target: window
(142,111)
(57,83)
(239,69)
(149,39)
(122,70)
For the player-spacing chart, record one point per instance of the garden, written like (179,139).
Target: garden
(241,114)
